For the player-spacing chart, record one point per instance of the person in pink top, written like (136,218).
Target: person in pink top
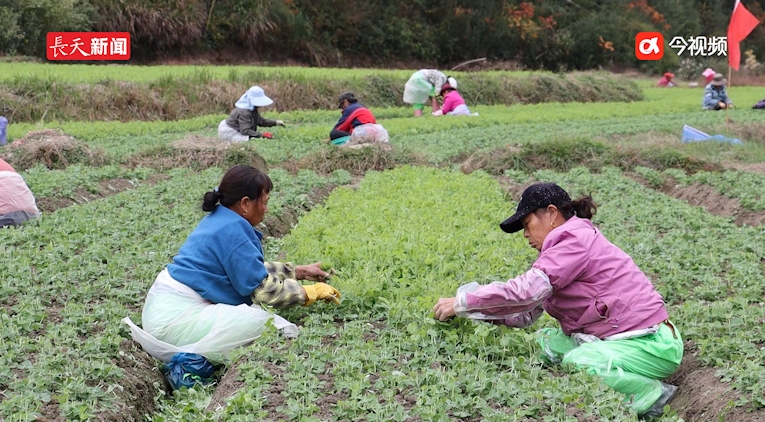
(454,104)
(613,322)
(17,203)
(666,81)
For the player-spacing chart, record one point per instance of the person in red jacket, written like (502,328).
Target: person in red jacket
(666,81)
(354,114)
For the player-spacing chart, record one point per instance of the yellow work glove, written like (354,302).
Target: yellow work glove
(320,291)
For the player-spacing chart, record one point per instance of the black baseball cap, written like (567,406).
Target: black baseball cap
(536,196)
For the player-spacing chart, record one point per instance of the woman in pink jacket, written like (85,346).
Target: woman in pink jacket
(614,323)
(454,104)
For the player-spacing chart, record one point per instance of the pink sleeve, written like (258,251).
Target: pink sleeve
(502,300)
(448,104)
(5,166)
(563,260)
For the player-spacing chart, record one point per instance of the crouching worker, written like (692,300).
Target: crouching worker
(209,300)
(423,85)
(716,94)
(666,81)
(354,114)
(614,323)
(17,203)
(242,124)
(454,104)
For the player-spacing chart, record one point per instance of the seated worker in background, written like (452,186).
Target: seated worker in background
(17,204)
(716,95)
(666,81)
(354,114)
(454,104)
(242,124)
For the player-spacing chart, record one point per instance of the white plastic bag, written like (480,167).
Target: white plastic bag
(417,89)
(176,319)
(368,133)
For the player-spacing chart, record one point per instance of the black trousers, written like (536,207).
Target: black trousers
(338,134)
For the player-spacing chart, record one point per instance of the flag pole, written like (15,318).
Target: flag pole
(727,121)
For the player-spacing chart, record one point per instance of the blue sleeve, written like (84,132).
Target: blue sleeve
(724,96)
(343,118)
(709,98)
(245,268)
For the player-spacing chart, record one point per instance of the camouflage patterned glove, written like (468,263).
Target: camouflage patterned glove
(281,269)
(280,292)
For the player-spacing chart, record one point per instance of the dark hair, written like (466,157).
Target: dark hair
(238,182)
(584,207)
(349,96)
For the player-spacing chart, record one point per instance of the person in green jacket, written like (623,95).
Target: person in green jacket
(242,124)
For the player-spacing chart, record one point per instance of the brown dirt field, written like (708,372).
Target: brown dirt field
(714,203)
(703,397)
(329,401)
(108,188)
(228,385)
(754,168)
(50,412)
(201,142)
(273,394)
(710,199)
(511,187)
(278,226)
(136,397)
(488,161)
(52,148)
(356,161)
(197,152)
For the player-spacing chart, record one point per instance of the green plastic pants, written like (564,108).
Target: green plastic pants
(421,106)
(633,367)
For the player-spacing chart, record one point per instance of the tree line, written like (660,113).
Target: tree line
(538,34)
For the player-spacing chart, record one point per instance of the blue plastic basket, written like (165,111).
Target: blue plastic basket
(691,134)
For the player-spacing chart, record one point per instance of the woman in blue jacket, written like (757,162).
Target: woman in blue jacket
(208,301)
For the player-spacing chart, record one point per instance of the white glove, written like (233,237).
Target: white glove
(438,113)
(279,123)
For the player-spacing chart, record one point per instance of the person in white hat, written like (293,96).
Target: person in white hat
(242,124)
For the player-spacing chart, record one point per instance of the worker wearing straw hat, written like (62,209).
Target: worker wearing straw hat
(716,94)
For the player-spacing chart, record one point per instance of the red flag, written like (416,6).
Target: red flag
(742,23)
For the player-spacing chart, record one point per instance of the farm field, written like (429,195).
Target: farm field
(403,227)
